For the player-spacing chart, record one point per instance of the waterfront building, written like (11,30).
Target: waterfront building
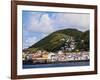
(52,57)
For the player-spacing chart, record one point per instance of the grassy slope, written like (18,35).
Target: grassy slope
(53,41)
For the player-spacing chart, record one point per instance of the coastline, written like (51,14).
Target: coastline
(58,64)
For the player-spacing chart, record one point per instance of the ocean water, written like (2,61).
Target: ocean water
(64,64)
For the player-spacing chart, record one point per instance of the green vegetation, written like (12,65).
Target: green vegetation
(54,42)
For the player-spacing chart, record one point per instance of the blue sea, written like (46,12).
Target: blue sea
(64,64)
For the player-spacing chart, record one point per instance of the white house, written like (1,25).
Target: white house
(52,57)
(29,56)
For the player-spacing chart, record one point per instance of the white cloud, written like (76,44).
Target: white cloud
(30,41)
(45,24)
(42,24)
(78,21)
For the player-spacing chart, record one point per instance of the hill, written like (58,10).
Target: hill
(56,40)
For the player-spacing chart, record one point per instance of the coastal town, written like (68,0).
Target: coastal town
(66,53)
(50,57)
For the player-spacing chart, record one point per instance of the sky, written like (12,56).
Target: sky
(37,25)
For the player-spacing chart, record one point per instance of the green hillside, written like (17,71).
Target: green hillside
(54,42)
